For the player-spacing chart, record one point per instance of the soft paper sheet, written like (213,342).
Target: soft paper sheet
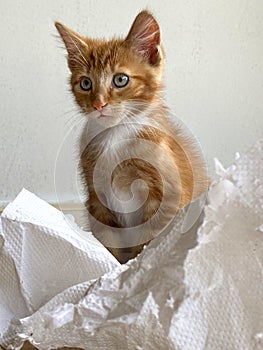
(41,254)
(200,289)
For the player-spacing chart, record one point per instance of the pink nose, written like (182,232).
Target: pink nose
(98,104)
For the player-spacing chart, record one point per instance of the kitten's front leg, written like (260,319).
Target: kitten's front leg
(99,213)
(107,229)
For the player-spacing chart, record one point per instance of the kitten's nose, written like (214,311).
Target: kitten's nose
(98,104)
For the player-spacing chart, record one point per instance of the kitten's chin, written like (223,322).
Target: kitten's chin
(105,119)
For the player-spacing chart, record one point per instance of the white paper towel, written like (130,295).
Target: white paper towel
(42,255)
(176,295)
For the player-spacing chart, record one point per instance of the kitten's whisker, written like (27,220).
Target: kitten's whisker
(73,120)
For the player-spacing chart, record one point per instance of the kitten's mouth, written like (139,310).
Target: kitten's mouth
(104,116)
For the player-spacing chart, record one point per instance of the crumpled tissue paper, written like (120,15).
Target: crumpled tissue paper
(201,289)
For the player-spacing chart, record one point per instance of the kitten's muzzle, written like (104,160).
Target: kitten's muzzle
(99,105)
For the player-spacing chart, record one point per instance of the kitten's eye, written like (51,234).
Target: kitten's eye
(85,83)
(120,80)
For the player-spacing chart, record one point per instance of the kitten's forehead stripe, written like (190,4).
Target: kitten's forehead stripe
(101,57)
(102,78)
(91,60)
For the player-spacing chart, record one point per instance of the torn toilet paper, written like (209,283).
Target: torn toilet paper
(202,289)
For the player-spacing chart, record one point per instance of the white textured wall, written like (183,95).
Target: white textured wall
(214,80)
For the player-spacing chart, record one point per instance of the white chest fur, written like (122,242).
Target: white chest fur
(114,146)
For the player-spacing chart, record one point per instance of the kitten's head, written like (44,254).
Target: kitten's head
(116,79)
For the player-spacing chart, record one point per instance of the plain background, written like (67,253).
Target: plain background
(213,77)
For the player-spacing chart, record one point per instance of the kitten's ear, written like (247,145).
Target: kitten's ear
(73,41)
(145,36)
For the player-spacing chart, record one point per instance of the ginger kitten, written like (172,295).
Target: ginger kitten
(139,167)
